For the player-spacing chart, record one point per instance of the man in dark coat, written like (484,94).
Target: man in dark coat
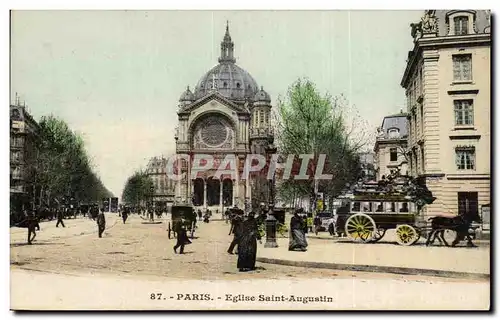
(60,216)
(32,225)
(236,224)
(182,238)
(101,223)
(199,214)
(317,224)
(247,246)
(125,212)
(297,235)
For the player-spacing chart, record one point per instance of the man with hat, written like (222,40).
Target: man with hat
(182,238)
(101,222)
(236,223)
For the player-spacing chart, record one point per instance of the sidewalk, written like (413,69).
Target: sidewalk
(387,238)
(418,259)
(73,227)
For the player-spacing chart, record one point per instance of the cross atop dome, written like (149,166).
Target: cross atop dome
(227,48)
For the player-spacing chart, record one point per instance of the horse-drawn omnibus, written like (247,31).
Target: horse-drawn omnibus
(367,217)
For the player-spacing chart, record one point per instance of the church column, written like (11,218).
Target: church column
(221,198)
(205,193)
(248,193)
(246,131)
(236,186)
(178,190)
(192,189)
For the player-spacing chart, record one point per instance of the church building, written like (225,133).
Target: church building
(226,113)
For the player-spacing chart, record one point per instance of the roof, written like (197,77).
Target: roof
(399,122)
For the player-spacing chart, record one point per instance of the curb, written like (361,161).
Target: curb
(378,269)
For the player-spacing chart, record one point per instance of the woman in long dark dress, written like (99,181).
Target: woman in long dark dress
(298,240)
(247,246)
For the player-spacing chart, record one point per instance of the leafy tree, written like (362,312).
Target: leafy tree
(63,168)
(310,123)
(139,188)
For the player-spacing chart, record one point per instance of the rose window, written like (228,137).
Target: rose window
(213,131)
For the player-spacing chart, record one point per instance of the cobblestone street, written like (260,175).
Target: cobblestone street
(140,248)
(140,255)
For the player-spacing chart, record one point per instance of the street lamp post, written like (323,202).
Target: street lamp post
(271,221)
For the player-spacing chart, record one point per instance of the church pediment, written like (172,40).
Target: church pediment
(214,99)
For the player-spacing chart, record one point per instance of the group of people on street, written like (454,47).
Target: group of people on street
(246,233)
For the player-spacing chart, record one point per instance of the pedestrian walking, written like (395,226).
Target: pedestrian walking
(236,224)
(297,240)
(32,225)
(125,213)
(317,224)
(182,238)
(247,246)
(101,223)
(60,216)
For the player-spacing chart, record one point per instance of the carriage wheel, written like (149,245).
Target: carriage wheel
(406,235)
(379,234)
(360,227)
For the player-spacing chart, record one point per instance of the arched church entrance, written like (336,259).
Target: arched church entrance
(227,192)
(213,191)
(199,190)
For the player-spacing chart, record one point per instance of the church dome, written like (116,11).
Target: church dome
(231,81)
(262,96)
(227,78)
(187,95)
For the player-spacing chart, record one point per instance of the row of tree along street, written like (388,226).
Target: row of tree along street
(63,173)
(138,190)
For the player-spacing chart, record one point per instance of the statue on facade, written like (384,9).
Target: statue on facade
(488,19)
(428,23)
(380,132)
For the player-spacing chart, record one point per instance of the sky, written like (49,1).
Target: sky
(116,76)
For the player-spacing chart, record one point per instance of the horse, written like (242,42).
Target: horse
(30,223)
(460,224)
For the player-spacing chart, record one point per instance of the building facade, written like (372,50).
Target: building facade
(164,188)
(23,155)
(227,113)
(447,83)
(391,146)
